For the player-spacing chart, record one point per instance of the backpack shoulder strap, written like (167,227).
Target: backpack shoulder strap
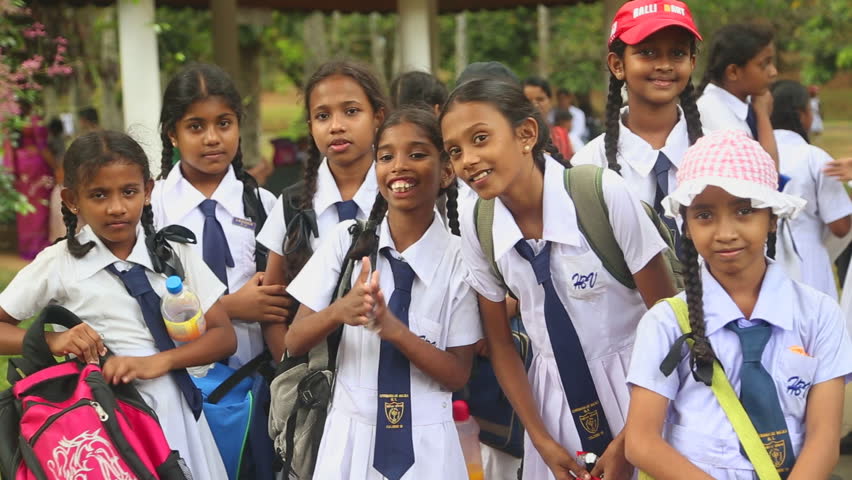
(288,198)
(584,184)
(483,215)
(730,403)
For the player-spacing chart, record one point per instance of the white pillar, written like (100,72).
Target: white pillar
(415,33)
(140,76)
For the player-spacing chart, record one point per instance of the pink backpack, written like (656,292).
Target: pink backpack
(73,425)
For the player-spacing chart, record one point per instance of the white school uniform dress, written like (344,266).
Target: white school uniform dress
(604,312)
(275,230)
(85,287)
(637,157)
(696,426)
(177,202)
(827,202)
(443,312)
(722,110)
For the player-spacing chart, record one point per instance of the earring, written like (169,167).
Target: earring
(74,210)
(526,148)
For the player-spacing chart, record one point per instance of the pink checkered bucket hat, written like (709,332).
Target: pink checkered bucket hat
(731,160)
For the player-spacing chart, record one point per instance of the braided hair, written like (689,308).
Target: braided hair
(702,352)
(195,83)
(426,121)
(86,155)
(509,99)
(614,103)
(375,93)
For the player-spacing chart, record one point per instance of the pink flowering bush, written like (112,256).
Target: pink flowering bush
(29,58)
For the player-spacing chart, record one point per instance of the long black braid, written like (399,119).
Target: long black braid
(702,352)
(614,102)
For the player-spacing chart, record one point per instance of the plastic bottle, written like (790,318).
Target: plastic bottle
(469,437)
(183,317)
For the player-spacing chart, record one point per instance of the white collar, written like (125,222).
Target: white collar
(100,256)
(228,194)
(639,154)
(560,219)
(736,105)
(790,138)
(423,254)
(774,302)
(327,193)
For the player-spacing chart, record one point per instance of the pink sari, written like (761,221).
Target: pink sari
(34,179)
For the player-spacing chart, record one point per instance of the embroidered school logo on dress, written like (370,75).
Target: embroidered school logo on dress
(590,419)
(85,454)
(394,410)
(797,387)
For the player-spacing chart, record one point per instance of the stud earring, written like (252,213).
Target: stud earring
(526,148)
(74,210)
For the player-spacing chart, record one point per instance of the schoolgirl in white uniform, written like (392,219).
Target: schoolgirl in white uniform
(496,141)
(828,203)
(645,141)
(108,185)
(200,119)
(734,92)
(394,421)
(782,344)
(344,106)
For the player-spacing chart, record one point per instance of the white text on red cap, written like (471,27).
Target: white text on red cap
(639,11)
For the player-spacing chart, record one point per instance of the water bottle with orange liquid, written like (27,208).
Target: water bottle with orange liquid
(469,437)
(183,317)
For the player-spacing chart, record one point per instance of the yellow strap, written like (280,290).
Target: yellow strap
(730,403)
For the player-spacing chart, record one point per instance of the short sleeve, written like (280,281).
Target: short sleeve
(832,347)
(272,234)
(479,274)
(35,286)
(656,333)
(833,202)
(465,326)
(634,231)
(315,283)
(199,277)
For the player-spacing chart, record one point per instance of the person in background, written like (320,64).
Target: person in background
(89,120)
(412,88)
(816,125)
(56,145)
(566,100)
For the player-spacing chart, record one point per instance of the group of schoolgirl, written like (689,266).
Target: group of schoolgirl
(421,297)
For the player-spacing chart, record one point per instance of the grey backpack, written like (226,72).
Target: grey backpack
(302,389)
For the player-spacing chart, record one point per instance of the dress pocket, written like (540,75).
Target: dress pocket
(584,275)
(793,379)
(426,329)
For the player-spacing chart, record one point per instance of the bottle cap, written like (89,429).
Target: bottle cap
(461,411)
(174,284)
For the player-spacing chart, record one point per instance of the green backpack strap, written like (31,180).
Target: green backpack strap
(483,214)
(730,403)
(584,184)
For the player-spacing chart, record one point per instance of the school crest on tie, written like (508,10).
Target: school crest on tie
(777,451)
(590,421)
(394,411)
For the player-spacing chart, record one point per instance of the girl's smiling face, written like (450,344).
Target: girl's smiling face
(657,69)
(342,120)
(208,136)
(409,168)
(111,202)
(728,232)
(485,150)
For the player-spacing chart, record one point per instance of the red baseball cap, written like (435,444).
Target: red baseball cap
(637,19)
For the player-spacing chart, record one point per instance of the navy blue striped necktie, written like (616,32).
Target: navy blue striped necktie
(393,453)
(138,286)
(592,426)
(346,210)
(661,171)
(760,397)
(216,252)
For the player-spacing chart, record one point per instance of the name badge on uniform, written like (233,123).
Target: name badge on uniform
(242,222)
